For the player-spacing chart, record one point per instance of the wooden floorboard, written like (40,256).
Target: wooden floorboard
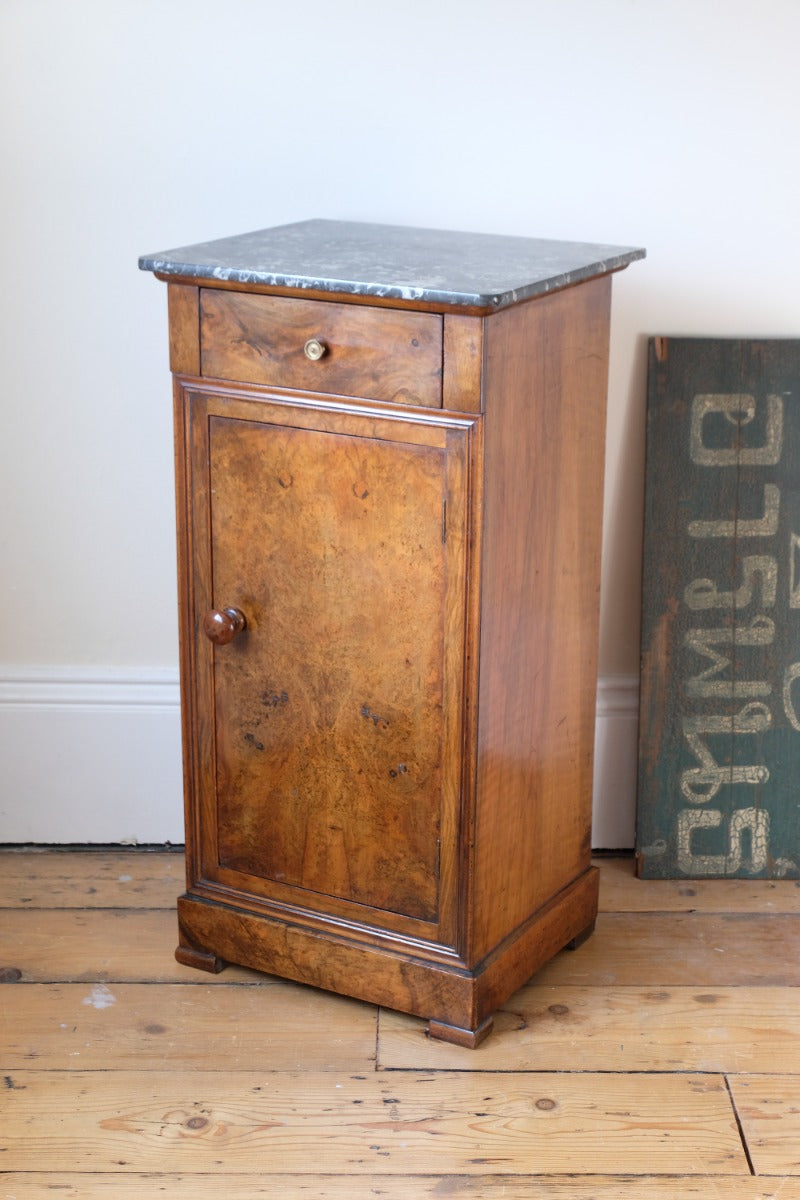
(651,950)
(684,949)
(119,945)
(279,1026)
(620,891)
(723,1029)
(369,1123)
(769,1110)
(660,1061)
(221,1185)
(91,879)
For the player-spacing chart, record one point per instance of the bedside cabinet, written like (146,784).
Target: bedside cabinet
(389,448)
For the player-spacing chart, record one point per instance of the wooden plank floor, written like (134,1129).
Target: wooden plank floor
(661,1061)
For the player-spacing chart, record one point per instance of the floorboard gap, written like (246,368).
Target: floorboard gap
(740,1127)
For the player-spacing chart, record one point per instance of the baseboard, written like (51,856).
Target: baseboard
(93,756)
(90,756)
(615,761)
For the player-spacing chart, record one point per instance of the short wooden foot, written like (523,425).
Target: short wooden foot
(469,1038)
(200,959)
(581,937)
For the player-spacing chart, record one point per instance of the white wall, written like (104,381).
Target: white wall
(136,125)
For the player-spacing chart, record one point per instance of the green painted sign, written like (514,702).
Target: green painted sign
(719,735)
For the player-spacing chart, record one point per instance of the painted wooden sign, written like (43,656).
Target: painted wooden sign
(719,738)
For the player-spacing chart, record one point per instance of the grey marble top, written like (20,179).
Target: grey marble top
(429,266)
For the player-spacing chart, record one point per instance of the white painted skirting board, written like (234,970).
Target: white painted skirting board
(90,755)
(616,751)
(93,755)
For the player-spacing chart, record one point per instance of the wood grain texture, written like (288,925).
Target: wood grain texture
(463,364)
(98,945)
(313,702)
(114,1186)
(621,891)
(116,879)
(370,1124)
(417,610)
(183,303)
(637,949)
(769,1110)
(411,978)
(677,949)
(328,733)
(380,354)
(544,373)
(269,1026)
(612,1066)
(718,1029)
(361,967)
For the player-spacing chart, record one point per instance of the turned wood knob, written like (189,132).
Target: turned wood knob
(221,625)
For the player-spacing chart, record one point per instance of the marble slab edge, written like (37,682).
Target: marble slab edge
(523,268)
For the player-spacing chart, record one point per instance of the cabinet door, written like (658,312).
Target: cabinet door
(329,731)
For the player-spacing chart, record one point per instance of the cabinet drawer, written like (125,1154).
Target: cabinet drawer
(374,353)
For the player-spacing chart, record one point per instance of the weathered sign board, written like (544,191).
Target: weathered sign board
(719,737)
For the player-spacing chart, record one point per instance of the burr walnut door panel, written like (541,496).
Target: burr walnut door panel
(330,776)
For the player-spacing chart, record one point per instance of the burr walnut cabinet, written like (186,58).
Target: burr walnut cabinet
(389,449)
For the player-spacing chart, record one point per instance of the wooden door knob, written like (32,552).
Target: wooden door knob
(221,625)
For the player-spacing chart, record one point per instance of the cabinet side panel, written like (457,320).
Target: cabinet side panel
(545,393)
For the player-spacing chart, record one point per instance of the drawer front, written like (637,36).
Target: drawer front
(373,353)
